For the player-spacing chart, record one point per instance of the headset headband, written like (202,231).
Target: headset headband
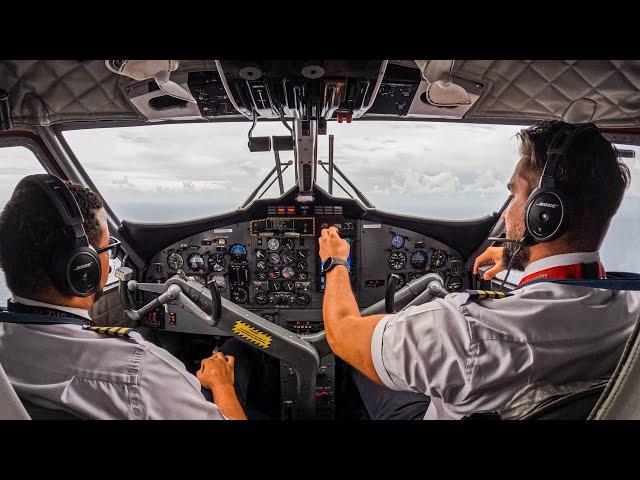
(557,150)
(65,203)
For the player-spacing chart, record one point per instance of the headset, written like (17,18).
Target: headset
(548,211)
(74,265)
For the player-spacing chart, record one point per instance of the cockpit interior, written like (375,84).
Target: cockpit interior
(254,272)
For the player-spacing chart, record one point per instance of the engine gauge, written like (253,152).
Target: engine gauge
(301,265)
(287,244)
(303,299)
(288,286)
(195,261)
(273,274)
(261,265)
(175,261)
(261,276)
(239,295)
(288,272)
(288,258)
(196,278)
(273,244)
(413,275)
(397,260)
(454,284)
(302,254)
(216,262)
(302,276)
(275,286)
(418,260)
(438,259)
(274,258)
(219,281)
(238,253)
(397,241)
(261,298)
(261,255)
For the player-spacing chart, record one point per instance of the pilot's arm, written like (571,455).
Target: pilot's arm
(423,349)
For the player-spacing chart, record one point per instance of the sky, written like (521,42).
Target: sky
(162,173)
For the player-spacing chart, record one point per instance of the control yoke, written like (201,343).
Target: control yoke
(207,305)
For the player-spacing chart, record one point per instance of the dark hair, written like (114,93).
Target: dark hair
(591,175)
(30,232)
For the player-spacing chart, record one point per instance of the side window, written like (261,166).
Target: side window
(15,163)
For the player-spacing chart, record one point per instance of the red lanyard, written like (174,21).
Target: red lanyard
(564,272)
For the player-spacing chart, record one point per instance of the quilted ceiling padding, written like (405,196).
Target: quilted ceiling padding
(544,89)
(53,91)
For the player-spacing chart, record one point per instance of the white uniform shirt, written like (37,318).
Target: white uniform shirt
(472,355)
(98,376)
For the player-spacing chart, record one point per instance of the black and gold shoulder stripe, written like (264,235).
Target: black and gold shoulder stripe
(113,331)
(480,294)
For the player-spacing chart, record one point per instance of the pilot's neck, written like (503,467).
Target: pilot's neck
(557,247)
(83,303)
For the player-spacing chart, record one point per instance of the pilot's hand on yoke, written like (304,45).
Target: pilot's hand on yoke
(491,256)
(216,371)
(331,245)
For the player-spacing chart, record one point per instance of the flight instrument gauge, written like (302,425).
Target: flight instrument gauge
(454,284)
(195,261)
(261,276)
(288,286)
(261,265)
(273,274)
(239,295)
(397,241)
(216,262)
(238,253)
(301,265)
(273,244)
(438,259)
(413,275)
(261,255)
(418,260)
(261,298)
(219,281)
(287,244)
(288,258)
(397,260)
(288,272)
(175,261)
(302,254)
(302,276)
(274,258)
(401,281)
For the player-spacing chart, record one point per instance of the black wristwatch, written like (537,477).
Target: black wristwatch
(331,262)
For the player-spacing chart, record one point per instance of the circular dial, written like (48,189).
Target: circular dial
(303,299)
(273,244)
(288,272)
(438,259)
(454,284)
(288,286)
(397,260)
(302,276)
(288,258)
(301,265)
(195,261)
(219,282)
(239,295)
(397,241)
(274,258)
(302,254)
(261,276)
(418,260)
(261,255)
(275,286)
(216,262)
(273,274)
(261,265)
(175,261)
(261,298)
(287,244)
(238,253)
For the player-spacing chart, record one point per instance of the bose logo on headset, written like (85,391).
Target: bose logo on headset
(82,267)
(549,205)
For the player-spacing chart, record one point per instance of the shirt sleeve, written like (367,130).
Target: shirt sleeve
(423,349)
(169,391)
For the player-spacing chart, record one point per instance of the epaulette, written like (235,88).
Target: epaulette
(113,331)
(481,294)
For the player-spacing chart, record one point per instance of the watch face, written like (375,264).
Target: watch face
(327,264)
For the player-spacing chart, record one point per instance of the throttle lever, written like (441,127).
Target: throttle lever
(390,293)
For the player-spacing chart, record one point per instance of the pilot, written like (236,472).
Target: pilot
(466,353)
(68,366)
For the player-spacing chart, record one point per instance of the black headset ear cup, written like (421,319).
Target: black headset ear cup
(76,273)
(547,214)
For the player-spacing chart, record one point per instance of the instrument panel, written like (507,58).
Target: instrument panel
(271,265)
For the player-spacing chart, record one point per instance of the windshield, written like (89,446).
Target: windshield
(176,172)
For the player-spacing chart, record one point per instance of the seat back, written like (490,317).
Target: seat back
(10,406)
(37,412)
